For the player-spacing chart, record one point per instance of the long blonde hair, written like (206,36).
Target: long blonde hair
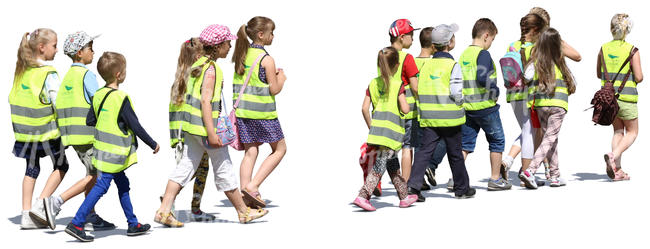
(547,54)
(190,50)
(255,25)
(387,61)
(28,49)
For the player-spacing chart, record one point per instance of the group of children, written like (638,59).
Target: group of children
(434,105)
(49,114)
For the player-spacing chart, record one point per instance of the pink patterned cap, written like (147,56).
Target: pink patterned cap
(215,34)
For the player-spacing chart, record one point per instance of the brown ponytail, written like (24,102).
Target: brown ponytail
(189,51)
(387,61)
(255,25)
(548,55)
(28,49)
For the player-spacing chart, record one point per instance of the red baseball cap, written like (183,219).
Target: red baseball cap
(400,27)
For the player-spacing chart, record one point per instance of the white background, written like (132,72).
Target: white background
(328,50)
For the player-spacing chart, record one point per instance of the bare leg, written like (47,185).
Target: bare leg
(28,192)
(52,183)
(80,187)
(407,162)
(514,151)
(247,164)
(278,150)
(631,131)
(235,198)
(495,161)
(170,195)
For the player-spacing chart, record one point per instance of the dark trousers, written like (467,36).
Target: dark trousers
(452,136)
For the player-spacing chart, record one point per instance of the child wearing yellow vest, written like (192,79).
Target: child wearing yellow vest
(72,106)
(191,51)
(114,146)
(386,128)
(201,111)
(33,118)
(550,85)
(257,118)
(626,124)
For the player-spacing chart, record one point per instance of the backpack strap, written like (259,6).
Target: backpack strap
(602,63)
(627,75)
(104,100)
(248,77)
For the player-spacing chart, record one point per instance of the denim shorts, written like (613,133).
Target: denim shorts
(411,128)
(491,125)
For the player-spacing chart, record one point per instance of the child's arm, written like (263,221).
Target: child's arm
(484,71)
(599,64)
(91,120)
(90,85)
(274,77)
(456,85)
(403,105)
(365,110)
(128,115)
(570,52)
(207,91)
(636,67)
(52,84)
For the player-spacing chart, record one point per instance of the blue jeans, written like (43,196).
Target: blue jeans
(100,188)
(491,125)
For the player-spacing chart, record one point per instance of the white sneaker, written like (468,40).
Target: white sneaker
(52,209)
(506,164)
(557,182)
(26,222)
(38,212)
(450,185)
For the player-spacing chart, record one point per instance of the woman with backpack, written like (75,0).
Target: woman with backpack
(614,56)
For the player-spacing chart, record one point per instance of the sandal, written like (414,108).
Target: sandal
(251,214)
(621,176)
(253,199)
(168,219)
(611,165)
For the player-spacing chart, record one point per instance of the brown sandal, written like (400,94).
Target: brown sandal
(168,219)
(253,199)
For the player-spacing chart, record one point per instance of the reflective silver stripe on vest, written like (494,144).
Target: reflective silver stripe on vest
(110,157)
(476,98)
(558,95)
(626,90)
(176,116)
(77,130)
(196,120)
(471,84)
(619,78)
(258,107)
(196,103)
(558,83)
(113,139)
(31,113)
(435,99)
(173,133)
(451,114)
(252,90)
(35,130)
(386,132)
(408,93)
(388,116)
(72,112)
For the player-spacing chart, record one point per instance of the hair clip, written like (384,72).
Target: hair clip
(191,42)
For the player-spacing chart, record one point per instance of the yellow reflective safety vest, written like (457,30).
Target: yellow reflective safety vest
(32,114)
(559,99)
(72,109)
(113,149)
(476,97)
(615,52)
(387,127)
(192,115)
(257,101)
(520,94)
(436,107)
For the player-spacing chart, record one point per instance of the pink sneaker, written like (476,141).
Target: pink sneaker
(364,204)
(408,201)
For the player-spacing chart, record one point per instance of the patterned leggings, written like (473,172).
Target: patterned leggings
(386,160)
(200,178)
(551,120)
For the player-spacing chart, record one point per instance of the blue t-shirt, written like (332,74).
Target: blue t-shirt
(90,83)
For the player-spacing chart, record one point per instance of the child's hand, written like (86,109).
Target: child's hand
(157,149)
(281,76)
(214,141)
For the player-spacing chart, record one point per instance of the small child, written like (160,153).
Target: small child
(441,114)
(114,148)
(548,93)
(386,128)
(73,103)
(32,99)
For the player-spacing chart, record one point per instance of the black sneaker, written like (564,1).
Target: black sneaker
(425,186)
(431,176)
(78,233)
(413,191)
(98,223)
(138,230)
(468,194)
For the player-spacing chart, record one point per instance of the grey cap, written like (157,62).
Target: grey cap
(75,42)
(441,34)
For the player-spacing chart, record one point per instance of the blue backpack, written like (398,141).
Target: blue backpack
(512,68)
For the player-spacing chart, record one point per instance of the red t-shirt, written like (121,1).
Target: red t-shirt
(409,69)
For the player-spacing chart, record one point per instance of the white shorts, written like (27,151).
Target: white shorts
(224,176)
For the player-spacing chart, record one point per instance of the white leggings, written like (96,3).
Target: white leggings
(525,139)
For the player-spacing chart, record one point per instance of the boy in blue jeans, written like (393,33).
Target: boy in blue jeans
(480,93)
(115,144)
